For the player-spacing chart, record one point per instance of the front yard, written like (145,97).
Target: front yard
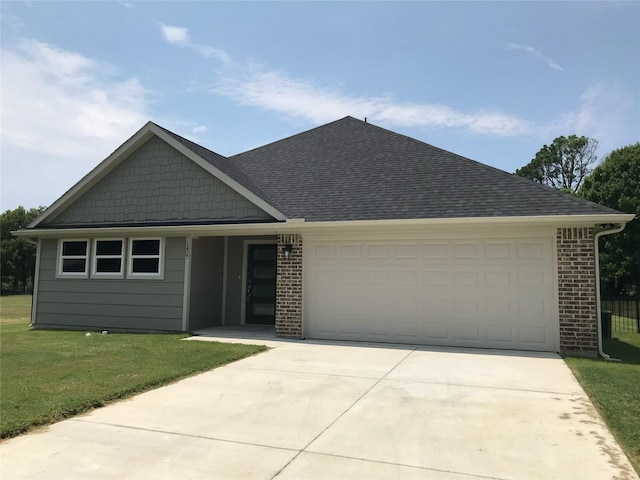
(46,376)
(614,388)
(49,375)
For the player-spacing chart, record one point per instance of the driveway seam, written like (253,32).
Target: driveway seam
(488,387)
(179,434)
(343,413)
(403,465)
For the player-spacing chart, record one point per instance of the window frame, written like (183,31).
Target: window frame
(131,257)
(95,257)
(60,273)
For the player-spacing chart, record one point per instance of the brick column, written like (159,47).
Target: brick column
(289,288)
(577,292)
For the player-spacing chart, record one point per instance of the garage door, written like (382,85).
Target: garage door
(495,293)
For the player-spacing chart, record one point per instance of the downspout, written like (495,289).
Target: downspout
(36,281)
(596,237)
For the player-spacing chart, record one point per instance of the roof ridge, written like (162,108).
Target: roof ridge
(304,132)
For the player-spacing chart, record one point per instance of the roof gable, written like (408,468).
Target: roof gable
(212,163)
(352,170)
(157,185)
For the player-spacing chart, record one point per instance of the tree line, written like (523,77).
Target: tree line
(17,255)
(565,164)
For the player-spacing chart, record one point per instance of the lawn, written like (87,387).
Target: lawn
(614,388)
(49,375)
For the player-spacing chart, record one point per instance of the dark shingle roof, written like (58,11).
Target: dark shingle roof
(353,170)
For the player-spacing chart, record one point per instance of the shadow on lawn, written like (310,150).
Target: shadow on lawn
(623,350)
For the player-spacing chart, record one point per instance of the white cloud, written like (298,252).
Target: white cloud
(536,53)
(62,113)
(302,99)
(199,129)
(605,112)
(250,84)
(180,36)
(175,35)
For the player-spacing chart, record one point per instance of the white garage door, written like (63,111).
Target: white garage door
(495,293)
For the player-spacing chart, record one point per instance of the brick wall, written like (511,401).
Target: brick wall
(577,291)
(289,288)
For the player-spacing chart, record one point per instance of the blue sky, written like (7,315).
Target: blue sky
(492,81)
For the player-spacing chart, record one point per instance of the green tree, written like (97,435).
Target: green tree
(616,183)
(564,164)
(17,255)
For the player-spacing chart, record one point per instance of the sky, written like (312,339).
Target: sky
(492,81)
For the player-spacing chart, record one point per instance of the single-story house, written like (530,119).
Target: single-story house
(347,231)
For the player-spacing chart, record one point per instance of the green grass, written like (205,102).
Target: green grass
(49,375)
(15,309)
(623,325)
(614,388)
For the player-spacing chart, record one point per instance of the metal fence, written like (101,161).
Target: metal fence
(625,314)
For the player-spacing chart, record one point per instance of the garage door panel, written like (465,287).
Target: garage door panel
(466,250)
(499,333)
(408,251)
(435,277)
(498,250)
(463,278)
(408,278)
(466,333)
(502,309)
(435,331)
(532,335)
(531,250)
(498,278)
(484,293)
(434,305)
(323,278)
(377,277)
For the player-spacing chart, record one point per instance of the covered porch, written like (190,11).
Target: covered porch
(242,282)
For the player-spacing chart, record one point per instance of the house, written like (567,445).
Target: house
(346,231)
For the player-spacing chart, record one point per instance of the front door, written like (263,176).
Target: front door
(261,284)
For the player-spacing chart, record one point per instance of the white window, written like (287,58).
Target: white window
(73,258)
(108,258)
(146,257)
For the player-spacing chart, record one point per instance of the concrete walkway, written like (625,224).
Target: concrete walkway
(323,410)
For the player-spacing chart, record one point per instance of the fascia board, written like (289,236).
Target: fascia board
(542,220)
(300,226)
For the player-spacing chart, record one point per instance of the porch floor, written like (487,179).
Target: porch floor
(255,334)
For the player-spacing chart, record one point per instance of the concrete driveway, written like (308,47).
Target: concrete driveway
(323,410)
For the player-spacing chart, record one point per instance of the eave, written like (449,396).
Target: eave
(301,226)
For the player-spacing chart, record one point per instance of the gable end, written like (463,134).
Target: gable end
(157,184)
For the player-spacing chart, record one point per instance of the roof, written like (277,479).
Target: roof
(353,170)
(350,170)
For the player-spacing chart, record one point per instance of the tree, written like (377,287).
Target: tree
(616,183)
(17,255)
(564,164)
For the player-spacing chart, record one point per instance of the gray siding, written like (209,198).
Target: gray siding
(112,303)
(158,184)
(234,277)
(207,260)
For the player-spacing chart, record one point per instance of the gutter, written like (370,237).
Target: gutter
(596,237)
(299,225)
